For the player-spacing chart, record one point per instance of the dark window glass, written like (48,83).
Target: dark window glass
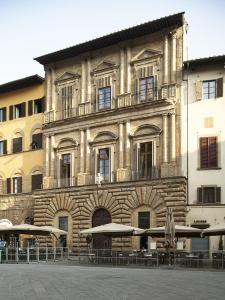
(104,98)
(36,141)
(17,145)
(146,158)
(144,223)
(3,114)
(104,164)
(18,111)
(66,169)
(3,147)
(63,223)
(209,89)
(146,88)
(209,194)
(100,217)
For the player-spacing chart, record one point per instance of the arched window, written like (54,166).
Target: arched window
(100,217)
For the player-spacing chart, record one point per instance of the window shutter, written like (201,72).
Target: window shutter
(11,109)
(136,81)
(23,109)
(43,101)
(30,107)
(199,195)
(218,194)
(198,90)
(219,87)
(8,185)
(37,139)
(17,145)
(5,147)
(155,88)
(36,181)
(19,184)
(212,152)
(4,114)
(204,153)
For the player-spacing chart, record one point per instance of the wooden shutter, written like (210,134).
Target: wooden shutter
(199,195)
(218,194)
(5,147)
(30,107)
(37,139)
(37,181)
(4,114)
(43,104)
(11,110)
(198,90)
(8,185)
(219,87)
(212,144)
(204,163)
(23,109)
(19,187)
(17,145)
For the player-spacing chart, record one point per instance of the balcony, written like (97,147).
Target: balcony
(167,92)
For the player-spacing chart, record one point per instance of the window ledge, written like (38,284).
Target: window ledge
(26,151)
(208,169)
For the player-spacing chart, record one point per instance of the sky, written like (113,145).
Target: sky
(31,28)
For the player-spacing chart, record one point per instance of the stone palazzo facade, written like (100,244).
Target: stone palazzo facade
(113,113)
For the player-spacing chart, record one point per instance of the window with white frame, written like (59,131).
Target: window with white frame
(104,98)
(17,185)
(65,169)
(103,164)
(147,88)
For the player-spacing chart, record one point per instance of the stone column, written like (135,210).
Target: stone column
(87,151)
(82,151)
(47,170)
(53,92)
(48,88)
(128,145)
(173,57)
(165,138)
(128,70)
(121,71)
(52,163)
(165,61)
(83,81)
(88,81)
(173,138)
(121,145)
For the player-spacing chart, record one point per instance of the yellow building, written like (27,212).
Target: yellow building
(21,155)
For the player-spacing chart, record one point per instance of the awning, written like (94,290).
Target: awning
(180,231)
(113,229)
(218,229)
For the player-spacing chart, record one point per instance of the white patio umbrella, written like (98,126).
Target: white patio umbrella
(26,229)
(5,223)
(180,231)
(55,231)
(114,229)
(218,229)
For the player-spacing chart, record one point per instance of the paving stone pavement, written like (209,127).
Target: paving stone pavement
(45,282)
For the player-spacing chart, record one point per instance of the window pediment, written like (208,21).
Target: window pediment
(104,66)
(146,55)
(67,143)
(104,137)
(146,130)
(67,77)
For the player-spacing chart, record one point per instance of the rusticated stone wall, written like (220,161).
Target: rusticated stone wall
(17,208)
(120,199)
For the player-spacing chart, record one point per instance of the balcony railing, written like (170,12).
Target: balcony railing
(64,182)
(125,100)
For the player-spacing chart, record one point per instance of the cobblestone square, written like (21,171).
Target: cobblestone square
(103,283)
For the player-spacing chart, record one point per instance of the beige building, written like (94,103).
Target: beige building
(21,153)
(113,115)
(204,140)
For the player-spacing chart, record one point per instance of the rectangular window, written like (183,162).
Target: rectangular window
(63,223)
(144,219)
(147,89)
(17,185)
(208,152)
(3,147)
(38,108)
(3,114)
(37,181)
(36,141)
(104,98)
(66,94)
(209,194)
(66,170)
(209,89)
(146,160)
(104,164)
(17,145)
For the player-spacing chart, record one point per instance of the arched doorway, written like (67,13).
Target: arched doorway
(100,217)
